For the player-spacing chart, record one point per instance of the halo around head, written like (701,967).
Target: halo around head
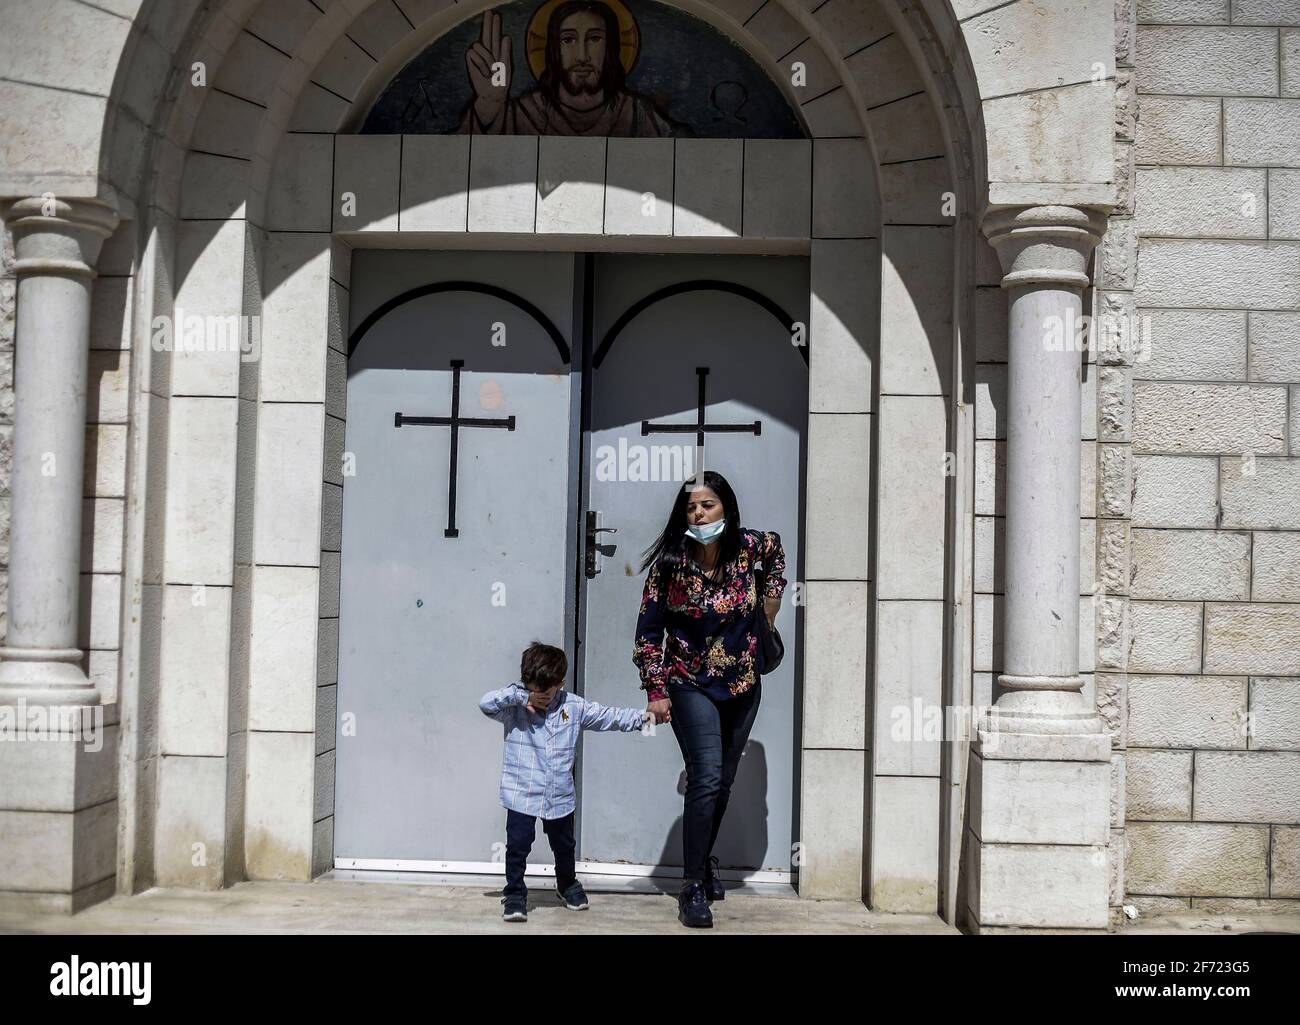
(629,36)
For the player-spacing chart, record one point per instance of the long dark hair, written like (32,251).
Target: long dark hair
(670,548)
(612,75)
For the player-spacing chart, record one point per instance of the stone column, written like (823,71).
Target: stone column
(1039,809)
(56,243)
(1044,253)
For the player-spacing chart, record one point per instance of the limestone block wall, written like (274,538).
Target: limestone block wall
(1212,645)
(331,544)
(107,414)
(1110,401)
(189,567)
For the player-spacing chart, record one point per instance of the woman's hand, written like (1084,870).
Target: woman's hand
(660,711)
(771,606)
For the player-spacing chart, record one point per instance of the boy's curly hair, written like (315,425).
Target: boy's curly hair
(543,665)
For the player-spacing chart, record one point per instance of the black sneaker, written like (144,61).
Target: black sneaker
(574,898)
(514,908)
(712,884)
(693,907)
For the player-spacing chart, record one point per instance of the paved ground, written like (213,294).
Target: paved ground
(1168,924)
(343,906)
(333,906)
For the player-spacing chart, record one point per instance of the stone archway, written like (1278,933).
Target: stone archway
(233,225)
(906,387)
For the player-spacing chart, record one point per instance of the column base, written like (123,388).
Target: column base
(16,902)
(45,676)
(1042,706)
(58,808)
(1035,851)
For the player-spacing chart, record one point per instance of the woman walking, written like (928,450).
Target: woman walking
(701,596)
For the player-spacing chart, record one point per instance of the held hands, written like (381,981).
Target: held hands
(660,711)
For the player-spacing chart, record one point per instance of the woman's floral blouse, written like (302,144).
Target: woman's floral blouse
(709,627)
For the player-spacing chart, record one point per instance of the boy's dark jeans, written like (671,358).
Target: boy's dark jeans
(521,830)
(712,736)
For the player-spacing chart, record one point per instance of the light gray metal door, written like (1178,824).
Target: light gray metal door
(674,337)
(457,549)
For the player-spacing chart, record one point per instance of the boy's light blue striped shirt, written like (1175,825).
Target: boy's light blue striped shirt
(537,769)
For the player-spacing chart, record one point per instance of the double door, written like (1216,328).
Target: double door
(518,425)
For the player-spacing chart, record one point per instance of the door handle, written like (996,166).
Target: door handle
(594,549)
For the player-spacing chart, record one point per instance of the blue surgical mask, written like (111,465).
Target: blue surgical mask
(707,533)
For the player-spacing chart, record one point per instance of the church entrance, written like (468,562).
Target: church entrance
(517,426)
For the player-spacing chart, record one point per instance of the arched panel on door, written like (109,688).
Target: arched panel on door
(477,287)
(691,346)
(456,551)
(681,288)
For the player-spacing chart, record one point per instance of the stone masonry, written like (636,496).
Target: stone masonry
(1212,655)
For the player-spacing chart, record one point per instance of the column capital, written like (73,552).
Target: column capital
(59,236)
(1044,245)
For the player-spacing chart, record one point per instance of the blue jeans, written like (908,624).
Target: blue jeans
(521,830)
(712,736)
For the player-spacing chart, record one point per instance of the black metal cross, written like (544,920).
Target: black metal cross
(455,422)
(699,428)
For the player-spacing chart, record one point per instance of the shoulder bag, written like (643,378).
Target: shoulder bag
(769,637)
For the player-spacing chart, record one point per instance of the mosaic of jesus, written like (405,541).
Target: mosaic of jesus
(630,68)
(580,51)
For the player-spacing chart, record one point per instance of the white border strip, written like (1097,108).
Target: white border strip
(498,868)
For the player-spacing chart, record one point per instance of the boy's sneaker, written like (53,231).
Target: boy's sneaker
(712,884)
(574,898)
(693,907)
(514,908)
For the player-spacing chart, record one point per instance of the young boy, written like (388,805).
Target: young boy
(542,722)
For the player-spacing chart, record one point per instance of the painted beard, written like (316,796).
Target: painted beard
(582,84)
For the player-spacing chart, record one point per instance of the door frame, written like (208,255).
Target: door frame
(893,289)
(587,345)
(582,348)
